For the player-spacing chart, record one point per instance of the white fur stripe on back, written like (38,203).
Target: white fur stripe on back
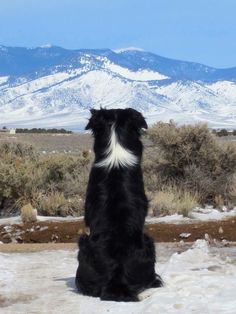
(116,154)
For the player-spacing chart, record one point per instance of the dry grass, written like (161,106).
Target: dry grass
(232,193)
(193,159)
(52,143)
(182,166)
(56,204)
(172,200)
(53,184)
(28,213)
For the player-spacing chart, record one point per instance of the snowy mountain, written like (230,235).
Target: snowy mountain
(50,86)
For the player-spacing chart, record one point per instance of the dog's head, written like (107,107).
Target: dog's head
(117,133)
(127,120)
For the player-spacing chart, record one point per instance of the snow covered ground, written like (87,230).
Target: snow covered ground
(18,220)
(197,214)
(198,280)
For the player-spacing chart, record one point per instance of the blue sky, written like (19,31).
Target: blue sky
(196,30)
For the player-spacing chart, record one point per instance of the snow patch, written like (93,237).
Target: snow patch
(46,46)
(141,75)
(120,50)
(198,280)
(17,219)
(197,214)
(3,79)
(208,213)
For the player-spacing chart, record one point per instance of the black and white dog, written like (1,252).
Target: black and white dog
(116,260)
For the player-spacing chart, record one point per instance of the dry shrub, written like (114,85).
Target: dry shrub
(55,204)
(68,174)
(25,176)
(28,213)
(14,150)
(232,193)
(153,180)
(192,158)
(172,200)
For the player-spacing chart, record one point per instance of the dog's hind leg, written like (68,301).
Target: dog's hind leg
(119,293)
(150,254)
(117,290)
(87,280)
(139,267)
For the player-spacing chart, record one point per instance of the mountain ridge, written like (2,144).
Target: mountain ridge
(41,56)
(52,86)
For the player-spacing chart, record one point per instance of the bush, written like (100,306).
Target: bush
(191,158)
(56,204)
(222,132)
(172,200)
(52,184)
(28,213)
(42,130)
(185,165)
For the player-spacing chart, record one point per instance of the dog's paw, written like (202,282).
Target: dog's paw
(118,295)
(146,293)
(119,298)
(157,283)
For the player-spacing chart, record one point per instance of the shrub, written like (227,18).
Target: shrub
(56,204)
(232,193)
(43,181)
(28,213)
(172,200)
(191,158)
(222,132)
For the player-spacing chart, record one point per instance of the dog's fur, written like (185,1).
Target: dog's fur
(116,260)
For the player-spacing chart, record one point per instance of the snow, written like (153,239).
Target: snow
(185,235)
(120,50)
(142,75)
(175,218)
(17,219)
(63,98)
(48,45)
(3,79)
(197,214)
(206,214)
(198,280)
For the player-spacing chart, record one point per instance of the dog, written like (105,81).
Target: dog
(116,259)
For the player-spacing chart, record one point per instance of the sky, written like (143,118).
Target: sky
(202,31)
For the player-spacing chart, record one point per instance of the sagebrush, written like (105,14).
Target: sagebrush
(193,159)
(53,184)
(182,166)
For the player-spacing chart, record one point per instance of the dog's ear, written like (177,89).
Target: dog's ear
(138,119)
(90,124)
(93,111)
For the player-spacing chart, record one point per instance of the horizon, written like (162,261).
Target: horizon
(117,51)
(197,32)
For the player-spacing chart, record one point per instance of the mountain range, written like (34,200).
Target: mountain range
(50,86)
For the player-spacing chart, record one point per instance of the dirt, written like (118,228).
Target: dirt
(36,247)
(61,143)
(68,232)
(52,143)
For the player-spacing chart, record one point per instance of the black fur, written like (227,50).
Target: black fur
(116,260)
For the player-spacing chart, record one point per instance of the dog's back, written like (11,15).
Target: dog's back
(116,250)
